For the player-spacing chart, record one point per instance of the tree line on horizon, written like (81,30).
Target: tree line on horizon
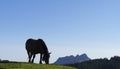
(4,61)
(112,63)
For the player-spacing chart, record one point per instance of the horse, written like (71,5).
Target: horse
(38,46)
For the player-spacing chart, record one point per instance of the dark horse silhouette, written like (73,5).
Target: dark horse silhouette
(34,47)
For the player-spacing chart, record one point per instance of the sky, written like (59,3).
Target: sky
(68,27)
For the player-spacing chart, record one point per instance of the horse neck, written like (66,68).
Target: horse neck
(45,48)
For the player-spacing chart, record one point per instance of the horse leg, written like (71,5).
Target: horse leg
(33,58)
(29,56)
(40,59)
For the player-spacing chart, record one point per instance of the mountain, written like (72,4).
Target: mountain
(72,59)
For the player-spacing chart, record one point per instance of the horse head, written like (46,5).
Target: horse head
(46,58)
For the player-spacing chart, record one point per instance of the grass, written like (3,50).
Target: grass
(31,66)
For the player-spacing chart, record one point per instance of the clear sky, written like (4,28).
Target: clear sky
(68,27)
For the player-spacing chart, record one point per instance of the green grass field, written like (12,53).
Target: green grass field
(31,66)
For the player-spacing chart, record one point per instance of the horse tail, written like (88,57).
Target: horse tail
(29,54)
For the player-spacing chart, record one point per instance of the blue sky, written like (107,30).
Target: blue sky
(68,27)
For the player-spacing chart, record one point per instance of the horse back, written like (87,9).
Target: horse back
(34,46)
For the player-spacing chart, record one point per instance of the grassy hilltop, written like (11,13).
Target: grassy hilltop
(31,66)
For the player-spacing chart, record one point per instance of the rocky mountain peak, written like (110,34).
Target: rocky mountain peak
(72,59)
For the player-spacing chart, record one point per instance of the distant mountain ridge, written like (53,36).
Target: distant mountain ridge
(72,59)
